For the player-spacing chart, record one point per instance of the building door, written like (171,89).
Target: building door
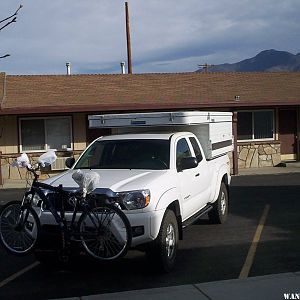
(288,133)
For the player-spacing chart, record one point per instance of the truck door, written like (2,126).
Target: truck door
(188,181)
(203,177)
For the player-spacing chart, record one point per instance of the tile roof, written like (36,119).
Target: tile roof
(2,87)
(89,93)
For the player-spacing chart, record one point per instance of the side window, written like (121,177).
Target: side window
(182,151)
(196,149)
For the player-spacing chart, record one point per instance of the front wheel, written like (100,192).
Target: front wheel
(105,232)
(162,251)
(19,228)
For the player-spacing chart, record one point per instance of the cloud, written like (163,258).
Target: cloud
(167,36)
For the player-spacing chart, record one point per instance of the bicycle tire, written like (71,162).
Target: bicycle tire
(18,240)
(105,232)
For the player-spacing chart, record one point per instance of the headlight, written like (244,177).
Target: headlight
(36,201)
(135,199)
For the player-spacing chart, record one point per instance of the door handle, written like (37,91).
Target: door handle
(197,175)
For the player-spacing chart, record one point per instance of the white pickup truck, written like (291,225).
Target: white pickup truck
(164,182)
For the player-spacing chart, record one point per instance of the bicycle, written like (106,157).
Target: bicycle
(102,228)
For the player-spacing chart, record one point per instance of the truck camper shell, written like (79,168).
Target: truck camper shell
(213,129)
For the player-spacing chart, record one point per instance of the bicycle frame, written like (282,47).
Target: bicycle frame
(36,188)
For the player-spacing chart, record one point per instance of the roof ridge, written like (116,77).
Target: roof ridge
(98,74)
(151,74)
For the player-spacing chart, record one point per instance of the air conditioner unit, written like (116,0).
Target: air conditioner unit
(59,164)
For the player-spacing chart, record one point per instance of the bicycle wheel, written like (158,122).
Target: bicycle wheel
(105,232)
(19,228)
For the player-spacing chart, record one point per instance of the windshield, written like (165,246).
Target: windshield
(127,154)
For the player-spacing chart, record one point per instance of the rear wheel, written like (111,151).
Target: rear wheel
(105,232)
(19,228)
(218,214)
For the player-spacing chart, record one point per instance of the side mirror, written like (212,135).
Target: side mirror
(187,163)
(70,161)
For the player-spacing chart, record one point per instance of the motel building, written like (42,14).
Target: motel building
(41,112)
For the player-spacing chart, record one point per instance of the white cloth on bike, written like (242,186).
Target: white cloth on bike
(47,158)
(87,181)
(22,161)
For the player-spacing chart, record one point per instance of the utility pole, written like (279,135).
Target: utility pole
(205,67)
(129,63)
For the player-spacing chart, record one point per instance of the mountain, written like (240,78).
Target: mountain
(265,61)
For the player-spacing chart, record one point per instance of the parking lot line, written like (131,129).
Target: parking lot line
(252,250)
(19,273)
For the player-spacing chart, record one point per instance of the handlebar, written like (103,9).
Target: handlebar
(56,189)
(33,170)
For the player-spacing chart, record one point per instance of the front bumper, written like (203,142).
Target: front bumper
(149,221)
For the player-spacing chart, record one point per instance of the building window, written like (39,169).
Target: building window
(255,125)
(42,134)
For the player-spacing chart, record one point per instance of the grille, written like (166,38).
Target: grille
(96,200)
(93,200)
(57,202)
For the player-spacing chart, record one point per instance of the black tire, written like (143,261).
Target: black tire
(19,240)
(105,232)
(46,258)
(52,259)
(162,251)
(218,214)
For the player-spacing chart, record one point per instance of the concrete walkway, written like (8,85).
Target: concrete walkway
(13,184)
(269,170)
(22,183)
(273,287)
(285,167)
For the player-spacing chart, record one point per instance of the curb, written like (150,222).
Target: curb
(275,286)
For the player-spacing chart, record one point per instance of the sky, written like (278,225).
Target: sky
(166,35)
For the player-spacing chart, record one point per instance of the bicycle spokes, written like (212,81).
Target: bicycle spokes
(18,228)
(104,233)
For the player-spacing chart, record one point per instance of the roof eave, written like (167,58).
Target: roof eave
(141,106)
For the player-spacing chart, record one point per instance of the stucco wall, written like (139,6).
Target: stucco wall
(79,131)
(8,134)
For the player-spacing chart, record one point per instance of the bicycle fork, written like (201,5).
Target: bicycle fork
(22,218)
(62,222)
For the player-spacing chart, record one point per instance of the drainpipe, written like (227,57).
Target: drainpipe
(235,151)
(298,134)
(1,179)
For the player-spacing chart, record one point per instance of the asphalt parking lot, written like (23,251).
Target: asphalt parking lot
(207,253)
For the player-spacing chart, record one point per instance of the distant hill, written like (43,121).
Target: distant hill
(266,61)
